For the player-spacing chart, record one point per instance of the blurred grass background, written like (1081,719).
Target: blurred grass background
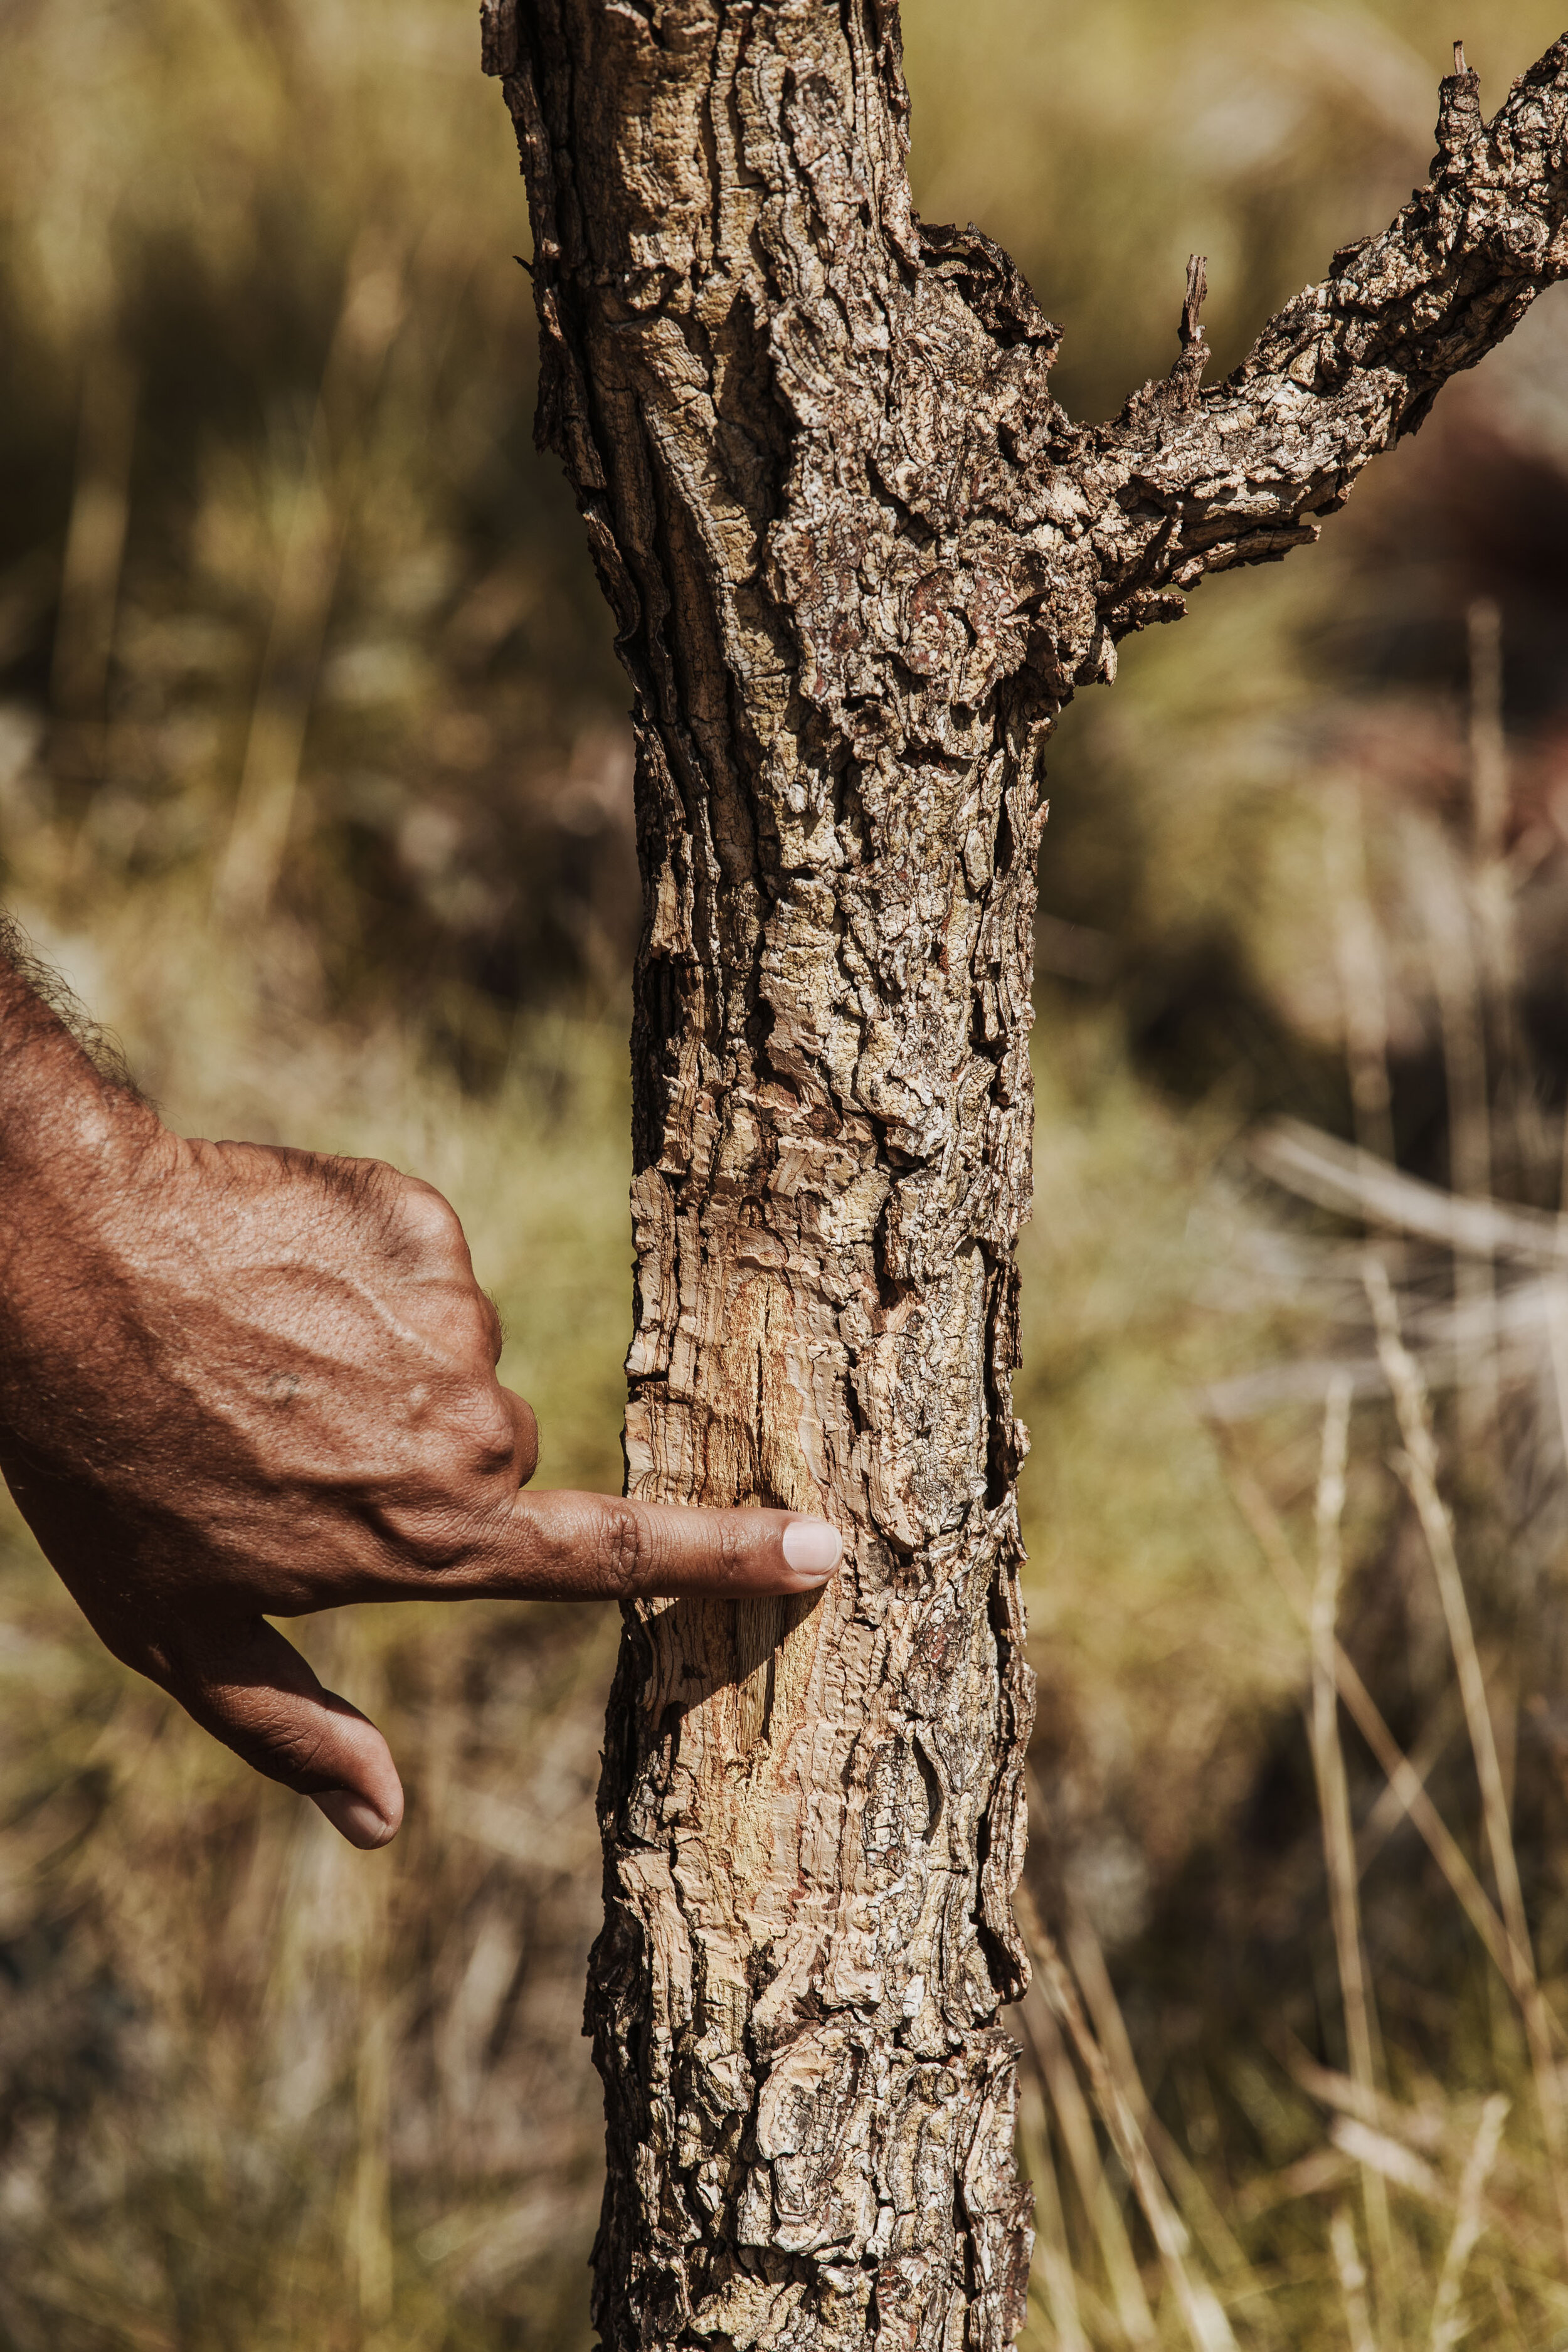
(315,777)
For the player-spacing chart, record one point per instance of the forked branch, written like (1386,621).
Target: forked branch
(1181,486)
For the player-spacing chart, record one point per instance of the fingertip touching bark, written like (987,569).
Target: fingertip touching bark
(858,561)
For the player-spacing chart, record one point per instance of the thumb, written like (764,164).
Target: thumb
(252,1690)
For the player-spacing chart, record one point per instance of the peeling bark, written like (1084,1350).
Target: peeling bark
(858,562)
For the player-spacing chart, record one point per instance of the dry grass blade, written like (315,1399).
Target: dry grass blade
(1488,747)
(1415,2128)
(1358,956)
(369,2233)
(1334,1805)
(1388,2159)
(1419,1469)
(1494,882)
(1336,1176)
(1053,2256)
(1206,2322)
(1352,2282)
(1446,2323)
(1425,1755)
(1309,2176)
(1514,1963)
(1132,2316)
(1206,2221)
(1557,1334)
(1456,984)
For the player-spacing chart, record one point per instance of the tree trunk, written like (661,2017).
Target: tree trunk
(858,561)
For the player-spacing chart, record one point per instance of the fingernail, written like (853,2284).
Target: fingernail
(812,1548)
(355,1817)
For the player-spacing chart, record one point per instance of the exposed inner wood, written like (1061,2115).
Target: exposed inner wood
(858,562)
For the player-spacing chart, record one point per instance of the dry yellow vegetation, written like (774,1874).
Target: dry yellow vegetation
(313,778)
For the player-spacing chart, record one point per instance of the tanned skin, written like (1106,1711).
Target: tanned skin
(239,1383)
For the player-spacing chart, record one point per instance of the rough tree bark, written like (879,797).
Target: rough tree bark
(858,562)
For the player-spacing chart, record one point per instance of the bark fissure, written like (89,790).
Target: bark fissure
(858,562)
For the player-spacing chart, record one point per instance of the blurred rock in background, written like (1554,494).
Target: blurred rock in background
(315,777)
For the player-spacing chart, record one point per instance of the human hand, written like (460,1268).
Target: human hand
(238,1382)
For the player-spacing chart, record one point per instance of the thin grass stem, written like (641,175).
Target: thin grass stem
(1334,1805)
(1206,2322)
(1054,2067)
(1512,1964)
(1358,956)
(1447,2325)
(1457,985)
(1419,1469)
(1202,2215)
(1053,2257)
(1352,2282)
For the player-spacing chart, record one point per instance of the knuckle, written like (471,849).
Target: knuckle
(732,1546)
(470,1442)
(415,1215)
(492,1440)
(527,1444)
(626,1551)
(473,1331)
(360,1183)
(426,1216)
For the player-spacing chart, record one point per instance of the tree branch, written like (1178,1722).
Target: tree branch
(1186,482)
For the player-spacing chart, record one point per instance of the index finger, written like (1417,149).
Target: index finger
(566,1546)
